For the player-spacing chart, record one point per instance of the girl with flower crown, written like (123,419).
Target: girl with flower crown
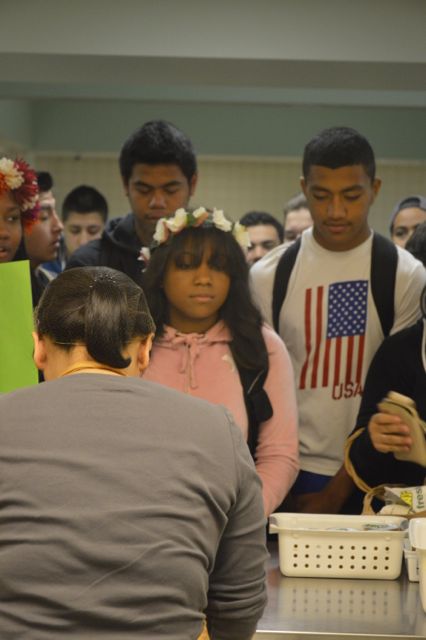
(18,204)
(210,336)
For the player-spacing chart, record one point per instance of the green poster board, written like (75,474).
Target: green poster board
(16,324)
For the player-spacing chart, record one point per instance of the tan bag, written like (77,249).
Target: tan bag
(396,510)
(405,408)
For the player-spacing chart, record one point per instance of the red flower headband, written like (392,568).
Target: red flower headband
(16,176)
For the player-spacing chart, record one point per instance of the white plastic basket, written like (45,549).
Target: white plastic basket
(311,545)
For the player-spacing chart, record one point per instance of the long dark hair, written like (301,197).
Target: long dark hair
(100,308)
(238,312)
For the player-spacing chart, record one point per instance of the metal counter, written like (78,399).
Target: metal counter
(308,608)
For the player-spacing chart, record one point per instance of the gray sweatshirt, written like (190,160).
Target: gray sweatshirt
(127,510)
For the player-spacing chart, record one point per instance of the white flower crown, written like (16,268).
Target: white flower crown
(183,219)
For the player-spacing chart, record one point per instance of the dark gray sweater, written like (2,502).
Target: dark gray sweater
(127,510)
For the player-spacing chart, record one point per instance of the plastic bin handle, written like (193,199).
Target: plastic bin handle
(417,532)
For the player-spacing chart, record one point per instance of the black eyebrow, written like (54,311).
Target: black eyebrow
(172,183)
(353,187)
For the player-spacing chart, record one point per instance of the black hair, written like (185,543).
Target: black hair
(44,181)
(295,204)
(255,218)
(84,199)
(158,142)
(416,244)
(99,307)
(339,147)
(239,312)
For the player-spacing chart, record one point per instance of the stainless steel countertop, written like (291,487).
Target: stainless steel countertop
(307,608)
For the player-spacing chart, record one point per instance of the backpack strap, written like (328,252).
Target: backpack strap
(282,276)
(258,406)
(384,263)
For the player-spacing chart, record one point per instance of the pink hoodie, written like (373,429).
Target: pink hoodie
(202,365)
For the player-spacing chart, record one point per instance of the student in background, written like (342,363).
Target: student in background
(332,317)
(416,244)
(18,206)
(399,365)
(211,342)
(406,217)
(159,174)
(84,214)
(265,233)
(18,211)
(297,217)
(43,242)
(45,183)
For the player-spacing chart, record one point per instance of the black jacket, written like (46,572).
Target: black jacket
(397,366)
(118,248)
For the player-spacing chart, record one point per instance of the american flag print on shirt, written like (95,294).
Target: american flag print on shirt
(342,312)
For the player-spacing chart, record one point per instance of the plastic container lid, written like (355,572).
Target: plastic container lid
(417,533)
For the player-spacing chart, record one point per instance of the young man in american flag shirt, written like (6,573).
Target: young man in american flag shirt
(328,320)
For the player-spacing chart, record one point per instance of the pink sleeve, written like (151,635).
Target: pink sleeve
(277,453)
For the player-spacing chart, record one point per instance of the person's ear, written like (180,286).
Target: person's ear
(40,353)
(143,352)
(303,185)
(193,184)
(377,183)
(125,186)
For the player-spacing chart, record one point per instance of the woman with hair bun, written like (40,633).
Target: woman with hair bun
(110,525)
(211,342)
(96,320)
